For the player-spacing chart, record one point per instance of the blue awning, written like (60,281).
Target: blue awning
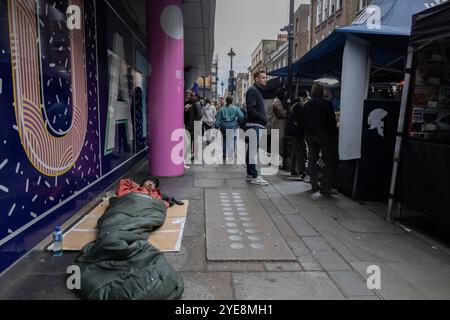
(388,39)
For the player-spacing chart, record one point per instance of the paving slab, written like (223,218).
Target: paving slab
(339,247)
(282,266)
(350,283)
(209,183)
(285,286)
(236,266)
(394,248)
(191,256)
(297,246)
(39,287)
(238,228)
(370,226)
(195,226)
(236,183)
(221,175)
(186,192)
(316,244)
(392,285)
(331,260)
(231,168)
(374,297)
(269,206)
(301,226)
(196,207)
(282,225)
(207,286)
(200,168)
(433,281)
(309,266)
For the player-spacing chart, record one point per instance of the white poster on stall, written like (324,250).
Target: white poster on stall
(355,84)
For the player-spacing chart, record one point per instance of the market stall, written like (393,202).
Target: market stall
(423,179)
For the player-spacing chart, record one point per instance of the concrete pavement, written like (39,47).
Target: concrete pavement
(330,242)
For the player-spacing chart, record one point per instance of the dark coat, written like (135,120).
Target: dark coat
(294,123)
(256,112)
(319,117)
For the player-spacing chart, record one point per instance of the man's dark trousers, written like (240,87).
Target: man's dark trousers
(326,144)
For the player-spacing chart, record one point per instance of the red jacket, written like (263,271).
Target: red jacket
(127,185)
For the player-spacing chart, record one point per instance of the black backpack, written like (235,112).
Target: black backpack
(294,122)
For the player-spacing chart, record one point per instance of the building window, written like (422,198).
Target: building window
(363,4)
(332,7)
(309,23)
(338,4)
(296,49)
(326,8)
(319,12)
(296,26)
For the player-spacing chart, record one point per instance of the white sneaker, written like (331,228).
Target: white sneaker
(186,166)
(248,178)
(259,181)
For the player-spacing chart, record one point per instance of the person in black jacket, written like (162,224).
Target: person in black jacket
(295,130)
(256,120)
(321,135)
(193,113)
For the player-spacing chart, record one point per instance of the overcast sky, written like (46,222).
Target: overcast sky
(242,24)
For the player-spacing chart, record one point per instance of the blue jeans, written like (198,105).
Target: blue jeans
(252,169)
(231,125)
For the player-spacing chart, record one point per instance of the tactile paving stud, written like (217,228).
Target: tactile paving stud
(257,246)
(237,246)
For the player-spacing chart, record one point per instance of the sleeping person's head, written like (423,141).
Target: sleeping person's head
(150,183)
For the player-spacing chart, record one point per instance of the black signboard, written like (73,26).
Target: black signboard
(374,169)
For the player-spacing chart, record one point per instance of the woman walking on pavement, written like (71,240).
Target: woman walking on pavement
(228,119)
(208,117)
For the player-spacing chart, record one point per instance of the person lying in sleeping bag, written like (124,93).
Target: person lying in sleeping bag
(150,187)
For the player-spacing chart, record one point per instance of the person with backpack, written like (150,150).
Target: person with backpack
(321,136)
(228,118)
(295,130)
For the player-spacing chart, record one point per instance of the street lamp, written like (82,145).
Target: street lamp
(231,54)
(290,31)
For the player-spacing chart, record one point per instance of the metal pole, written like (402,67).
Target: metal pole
(290,51)
(217,77)
(401,125)
(204,86)
(290,54)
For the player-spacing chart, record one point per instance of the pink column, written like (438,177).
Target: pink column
(166,84)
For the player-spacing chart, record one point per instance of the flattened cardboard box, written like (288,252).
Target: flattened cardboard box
(166,238)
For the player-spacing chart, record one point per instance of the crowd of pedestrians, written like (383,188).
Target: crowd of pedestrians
(309,124)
